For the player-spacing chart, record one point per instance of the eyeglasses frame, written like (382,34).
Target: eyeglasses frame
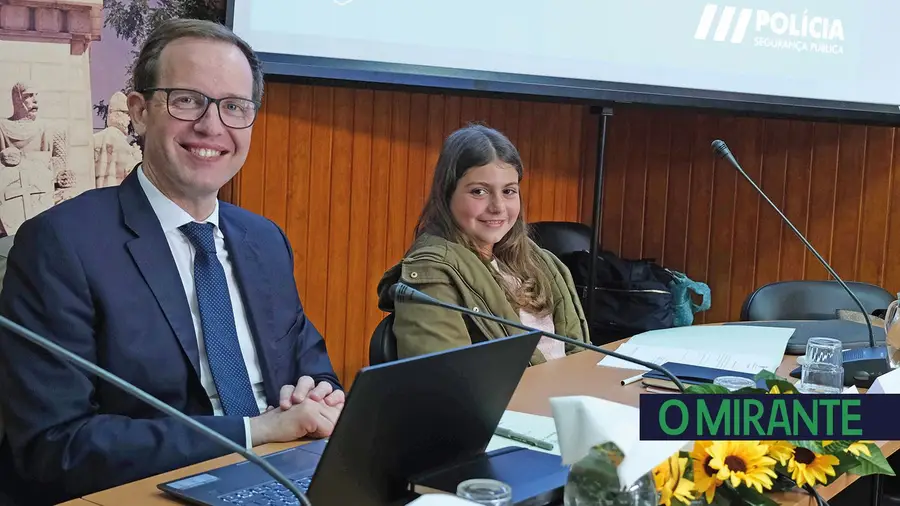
(209,100)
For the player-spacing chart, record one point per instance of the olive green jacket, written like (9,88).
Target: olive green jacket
(452,273)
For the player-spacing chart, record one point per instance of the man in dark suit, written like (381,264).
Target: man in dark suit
(188,298)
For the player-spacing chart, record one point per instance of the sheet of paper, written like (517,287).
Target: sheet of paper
(740,348)
(536,426)
(659,355)
(588,421)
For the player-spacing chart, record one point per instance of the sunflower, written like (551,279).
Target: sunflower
(743,461)
(782,451)
(671,483)
(858,447)
(705,481)
(775,390)
(809,467)
(855,447)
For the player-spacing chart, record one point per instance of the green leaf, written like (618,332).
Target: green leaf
(876,464)
(767,375)
(836,447)
(719,499)
(813,446)
(706,388)
(846,465)
(750,497)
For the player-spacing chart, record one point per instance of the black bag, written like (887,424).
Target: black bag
(630,296)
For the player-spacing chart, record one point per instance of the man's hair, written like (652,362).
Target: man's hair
(146,68)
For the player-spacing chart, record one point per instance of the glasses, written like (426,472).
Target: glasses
(191,105)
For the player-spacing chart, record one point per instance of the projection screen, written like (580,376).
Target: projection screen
(821,58)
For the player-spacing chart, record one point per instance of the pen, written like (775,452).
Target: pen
(632,379)
(522,438)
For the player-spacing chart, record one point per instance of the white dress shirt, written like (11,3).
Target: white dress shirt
(171,216)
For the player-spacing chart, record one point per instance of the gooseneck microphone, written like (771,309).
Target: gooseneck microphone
(401,292)
(872,361)
(156,403)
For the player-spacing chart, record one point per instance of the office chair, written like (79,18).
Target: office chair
(811,300)
(561,237)
(383,346)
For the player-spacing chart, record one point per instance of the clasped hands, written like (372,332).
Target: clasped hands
(304,409)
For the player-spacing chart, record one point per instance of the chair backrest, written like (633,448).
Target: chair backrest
(383,346)
(561,237)
(811,300)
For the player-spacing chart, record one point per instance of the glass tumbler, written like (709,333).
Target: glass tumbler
(824,350)
(486,492)
(821,378)
(734,383)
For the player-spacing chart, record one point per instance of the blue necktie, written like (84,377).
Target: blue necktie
(223,351)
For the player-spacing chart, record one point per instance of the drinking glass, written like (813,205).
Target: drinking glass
(733,383)
(484,491)
(821,378)
(824,350)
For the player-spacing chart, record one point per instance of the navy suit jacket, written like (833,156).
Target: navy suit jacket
(96,275)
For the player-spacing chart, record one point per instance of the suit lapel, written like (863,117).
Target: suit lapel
(153,258)
(254,283)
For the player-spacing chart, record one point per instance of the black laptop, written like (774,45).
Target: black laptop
(400,419)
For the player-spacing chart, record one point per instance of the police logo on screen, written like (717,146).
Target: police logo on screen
(797,31)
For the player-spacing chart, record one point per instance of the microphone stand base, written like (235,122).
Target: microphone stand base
(863,366)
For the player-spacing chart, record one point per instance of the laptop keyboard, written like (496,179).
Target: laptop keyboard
(268,494)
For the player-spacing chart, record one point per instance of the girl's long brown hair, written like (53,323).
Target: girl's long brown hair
(474,146)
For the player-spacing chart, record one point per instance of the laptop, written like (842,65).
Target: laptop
(400,419)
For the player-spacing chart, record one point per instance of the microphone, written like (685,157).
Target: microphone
(865,364)
(156,403)
(401,292)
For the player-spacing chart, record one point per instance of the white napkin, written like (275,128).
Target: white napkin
(583,422)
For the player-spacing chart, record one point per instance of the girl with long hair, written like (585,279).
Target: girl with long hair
(472,248)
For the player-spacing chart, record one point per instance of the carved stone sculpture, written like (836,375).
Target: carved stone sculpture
(114,156)
(27,184)
(34,165)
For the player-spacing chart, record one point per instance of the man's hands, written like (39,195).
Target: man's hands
(278,425)
(304,410)
(306,388)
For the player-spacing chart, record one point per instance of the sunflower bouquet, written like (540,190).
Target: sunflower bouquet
(745,472)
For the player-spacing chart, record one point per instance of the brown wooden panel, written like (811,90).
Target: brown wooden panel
(345,173)
(836,182)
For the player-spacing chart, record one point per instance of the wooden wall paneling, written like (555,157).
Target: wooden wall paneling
(277,154)
(744,229)
(590,138)
(523,139)
(891,269)
(358,290)
(376,246)
(656,190)
(875,209)
(299,169)
(339,193)
(769,241)
(823,178)
(678,187)
(318,253)
(848,200)
(798,180)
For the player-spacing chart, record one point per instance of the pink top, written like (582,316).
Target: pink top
(550,348)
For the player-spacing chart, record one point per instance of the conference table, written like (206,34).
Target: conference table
(577,374)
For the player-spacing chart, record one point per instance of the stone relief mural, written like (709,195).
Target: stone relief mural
(64,124)
(46,135)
